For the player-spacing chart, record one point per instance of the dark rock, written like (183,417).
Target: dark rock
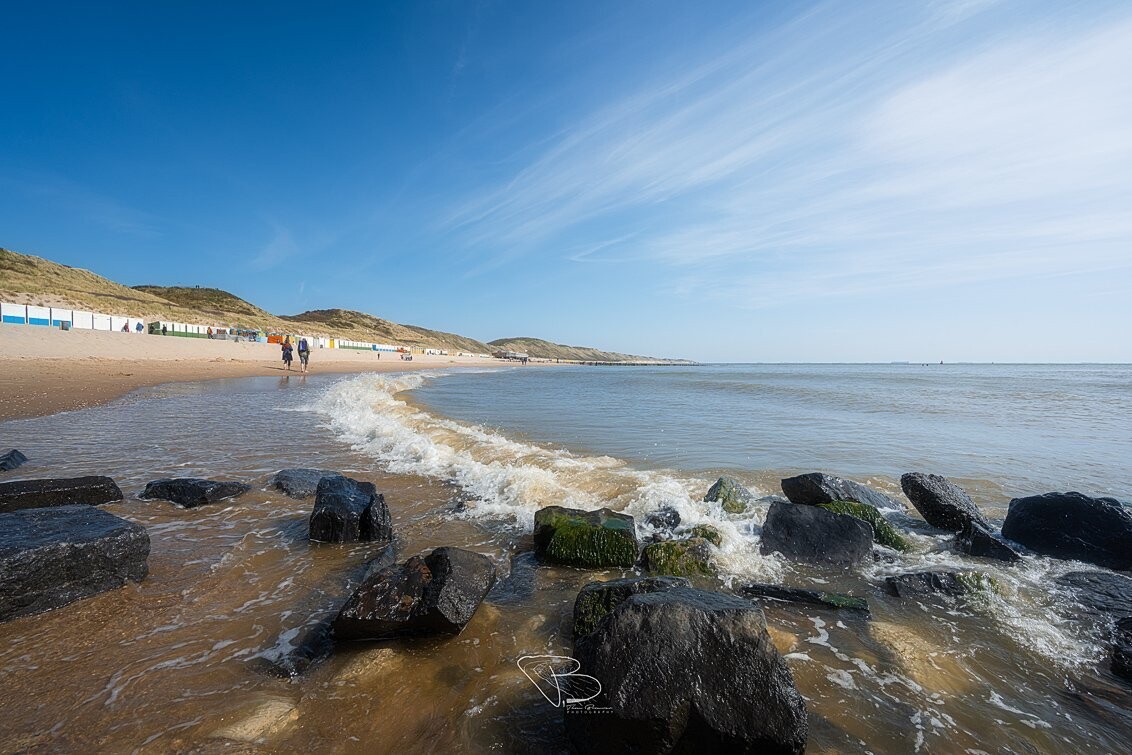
(679,558)
(437,594)
(815,487)
(1098,593)
(731,493)
(190,492)
(1073,526)
(35,494)
(313,644)
(348,511)
(1122,649)
(11,459)
(597,599)
(883,532)
(299,483)
(950,583)
(585,538)
(665,518)
(814,535)
(50,557)
(942,503)
(686,671)
(977,540)
(807,597)
(707,532)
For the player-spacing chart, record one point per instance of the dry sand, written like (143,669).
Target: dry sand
(44,370)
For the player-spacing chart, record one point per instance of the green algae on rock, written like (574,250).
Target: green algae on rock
(680,558)
(597,599)
(585,538)
(707,532)
(731,493)
(883,532)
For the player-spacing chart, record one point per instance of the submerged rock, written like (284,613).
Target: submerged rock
(1122,649)
(268,718)
(300,483)
(437,594)
(1099,593)
(11,459)
(665,518)
(731,494)
(598,599)
(707,532)
(1073,526)
(585,538)
(679,558)
(883,532)
(69,491)
(190,492)
(977,540)
(50,557)
(686,670)
(807,597)
(814,535)
(348,511)
(814,488)
(943,582)
(942,503)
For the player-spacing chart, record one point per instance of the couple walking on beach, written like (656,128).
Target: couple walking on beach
(304,353)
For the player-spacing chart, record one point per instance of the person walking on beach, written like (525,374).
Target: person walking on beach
(287,352)
(304,354)
(164,330)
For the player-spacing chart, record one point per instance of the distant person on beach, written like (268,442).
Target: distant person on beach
(138,327)
(126,326)
(304,354)
(164,330)
(210,331)
(287,352)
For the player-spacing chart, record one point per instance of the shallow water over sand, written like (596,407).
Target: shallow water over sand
(171,664)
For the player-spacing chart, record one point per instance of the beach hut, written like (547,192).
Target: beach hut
(82,320)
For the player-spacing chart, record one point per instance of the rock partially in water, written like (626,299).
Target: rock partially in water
(11,459)
(814,488)
(942,503)
(348,511)
(190,492)
(597,599)
(590,539)
(935,666)
(50,557)
(300,483)
(1073,526)
(883,532)
(437,594)
(69,491)
(313,644)
(1099,593)
(255,724)
(977,540)
(707,532)
(1122,649)
(729,492)
(679,558)
(664,518)
(813,535)
(952,583)
(806,597)
(686,670)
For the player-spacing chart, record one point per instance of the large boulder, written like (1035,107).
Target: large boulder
(1122,649)
(299,483)
(597,599)
(883,532)
(1073,526)
(679,558)
(813,535)
(190,492)
(35,494)
(951,583)
(591,539)
(437,594)
(977,540)
(942,503)
(731,494)
(686,670)
(348,511)
(806,597)
(11,459)
(814,488)
(50,557)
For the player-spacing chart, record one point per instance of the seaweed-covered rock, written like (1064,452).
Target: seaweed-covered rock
(1122,649)
(806,597)
(977,540)
(951,583)
(942,503)
(731,494)
(707,532)
(883,532)
(437,594)
(585,538)
(679,558)
(814,535)
(814,488)
(664,518)
(686,670)
(299,483)
(69,491)
(348,511)
(1073,526)
(11,459)
(597,599)
(50,557)
(190,492)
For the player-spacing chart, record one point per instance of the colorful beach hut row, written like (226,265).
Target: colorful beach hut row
(27,314)
(186,330)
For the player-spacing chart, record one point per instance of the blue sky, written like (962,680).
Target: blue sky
(808,181)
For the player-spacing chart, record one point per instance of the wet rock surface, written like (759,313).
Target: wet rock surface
(977,540)
(731,494)
(300,483)
(1073,526)
(597,599)
(590,539)
(883,532)
(941,503)
(349,511)
(665,518)
(813,535)
(815,487)
(951,583)
(50,557)
(11,459)
(1122,649)
(805,597)
(1099,593)
(680,558)
(65,491)
(190,492)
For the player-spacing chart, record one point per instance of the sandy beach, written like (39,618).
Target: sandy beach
(43,370)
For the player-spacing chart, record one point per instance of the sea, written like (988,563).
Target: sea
(465,457)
